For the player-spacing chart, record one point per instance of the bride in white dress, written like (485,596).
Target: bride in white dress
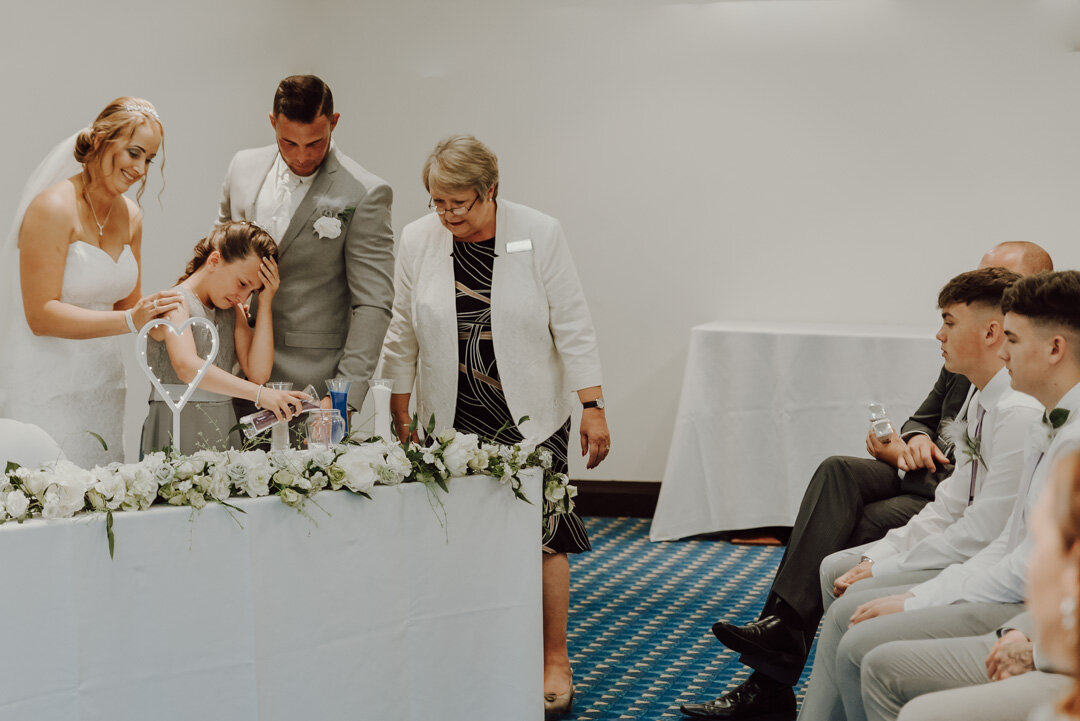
(73,259)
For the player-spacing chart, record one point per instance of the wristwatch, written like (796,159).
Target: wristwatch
(598,403)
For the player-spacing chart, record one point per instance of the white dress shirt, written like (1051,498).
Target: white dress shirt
(997,573)
(949,530)
(279,197)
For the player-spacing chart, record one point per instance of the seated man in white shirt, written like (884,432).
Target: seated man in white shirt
(1042,353)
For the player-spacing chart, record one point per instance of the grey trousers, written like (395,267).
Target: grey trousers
(946,679)
(834,692)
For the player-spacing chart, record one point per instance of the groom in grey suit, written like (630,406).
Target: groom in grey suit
(331,220)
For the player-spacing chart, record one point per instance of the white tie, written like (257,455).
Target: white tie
(287,183)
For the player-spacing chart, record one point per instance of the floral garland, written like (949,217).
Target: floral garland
(62,489)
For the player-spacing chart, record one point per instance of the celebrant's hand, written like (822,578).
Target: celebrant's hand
(595,437)
(284,404)
(154,306)
(268,274)
(856,573)
(923,453)
(880,607)
(1012,655)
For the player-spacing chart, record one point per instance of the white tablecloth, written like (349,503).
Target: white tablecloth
(763,404)
(374,611)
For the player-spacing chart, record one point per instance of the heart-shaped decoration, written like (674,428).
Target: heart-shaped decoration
(140,356)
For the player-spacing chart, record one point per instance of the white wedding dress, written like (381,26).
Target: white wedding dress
(71,388)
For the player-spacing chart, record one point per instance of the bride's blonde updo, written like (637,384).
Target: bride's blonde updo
(235,240)
(116,123)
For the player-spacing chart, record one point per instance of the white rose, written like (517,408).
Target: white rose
(482,457)
(359,464)
(291,497)
(36,481)
(328,227)
(255,486)
(285,478)
(219,487)
(461,450)
(397,467)
(16,504)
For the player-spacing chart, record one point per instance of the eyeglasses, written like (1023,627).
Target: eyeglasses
(454,211)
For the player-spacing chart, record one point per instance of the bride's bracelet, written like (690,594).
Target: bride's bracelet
(130,321)
(257,394)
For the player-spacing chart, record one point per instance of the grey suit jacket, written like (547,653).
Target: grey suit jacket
(333,307)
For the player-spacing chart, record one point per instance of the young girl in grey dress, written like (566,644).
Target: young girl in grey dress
(236,259)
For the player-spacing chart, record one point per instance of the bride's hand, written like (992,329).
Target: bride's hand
(284,404)
(155,305)
(268,273)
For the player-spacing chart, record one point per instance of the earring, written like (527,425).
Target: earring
(1068,613)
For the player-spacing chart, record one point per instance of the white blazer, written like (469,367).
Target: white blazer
(545,345)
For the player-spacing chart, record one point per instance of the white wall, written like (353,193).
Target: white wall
(759,159)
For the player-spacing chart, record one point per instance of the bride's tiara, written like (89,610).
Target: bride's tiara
(140,108)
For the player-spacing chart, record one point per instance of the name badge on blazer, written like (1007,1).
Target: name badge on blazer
(519,246)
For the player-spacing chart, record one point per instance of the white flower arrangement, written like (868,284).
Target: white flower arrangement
(955,432)
(62,490)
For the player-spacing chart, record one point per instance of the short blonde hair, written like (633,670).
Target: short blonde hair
(461,162)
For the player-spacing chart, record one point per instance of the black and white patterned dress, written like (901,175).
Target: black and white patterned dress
(481,404)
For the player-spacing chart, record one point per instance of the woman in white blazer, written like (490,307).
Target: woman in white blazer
(491,324)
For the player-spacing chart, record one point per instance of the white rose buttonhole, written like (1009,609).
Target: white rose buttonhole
(140,357)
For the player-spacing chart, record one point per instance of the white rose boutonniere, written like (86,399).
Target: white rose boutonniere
(328,227)
(333,215)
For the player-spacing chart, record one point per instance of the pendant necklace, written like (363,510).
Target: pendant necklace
(100,225)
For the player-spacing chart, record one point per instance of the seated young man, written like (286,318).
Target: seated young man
(1042,354)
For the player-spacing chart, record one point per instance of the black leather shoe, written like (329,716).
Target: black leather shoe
(765,637)
(747,701)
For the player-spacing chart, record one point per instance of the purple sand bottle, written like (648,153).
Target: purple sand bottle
(255,423)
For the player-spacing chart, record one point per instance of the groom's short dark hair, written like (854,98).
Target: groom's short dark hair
(302,98)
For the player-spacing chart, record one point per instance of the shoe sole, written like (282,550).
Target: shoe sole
(739,645)
(771,716)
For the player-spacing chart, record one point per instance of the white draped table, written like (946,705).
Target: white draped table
(374,611)
(762,404)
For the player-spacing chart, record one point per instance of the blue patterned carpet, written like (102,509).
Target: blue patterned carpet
(640,615)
